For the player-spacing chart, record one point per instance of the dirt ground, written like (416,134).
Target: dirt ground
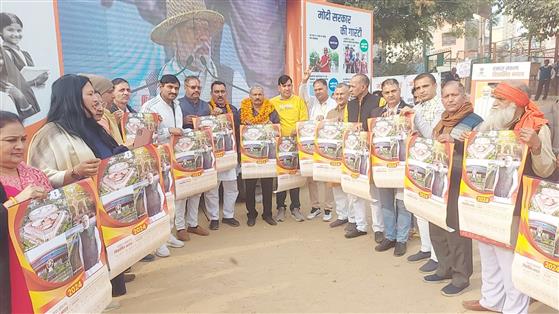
(293,267)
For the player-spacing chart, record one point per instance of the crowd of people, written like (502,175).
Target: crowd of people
(82,128)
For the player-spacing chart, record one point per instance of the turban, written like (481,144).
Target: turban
(532,118)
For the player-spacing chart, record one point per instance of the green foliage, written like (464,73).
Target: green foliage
(540,17)
(400,21)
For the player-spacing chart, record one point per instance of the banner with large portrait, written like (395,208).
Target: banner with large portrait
(305,144)
(327,156)
(223,132)
(427,179)
(193,163)
(535,270)
(131,123)
(287,165)
(60,249)
(258,150)
(134,218)
(491,174)
(388,149)
(356,164)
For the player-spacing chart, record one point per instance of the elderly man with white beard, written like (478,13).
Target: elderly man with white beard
(512,110)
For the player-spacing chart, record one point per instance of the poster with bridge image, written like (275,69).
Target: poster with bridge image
(388,149)
(491,172)
(193,163)
(327,156)
(427,178)
(258,150)
(134,217)
(535,269)
(305,145)
(356,164)
(60,249)
(223,132)
(287,165)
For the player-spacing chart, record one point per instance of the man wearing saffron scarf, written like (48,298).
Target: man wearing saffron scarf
(258,110)
(454,252)
(219,105)
(512,110)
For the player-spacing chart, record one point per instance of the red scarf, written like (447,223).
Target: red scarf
(532,118)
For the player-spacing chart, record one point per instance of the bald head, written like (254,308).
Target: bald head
(454,85)
(359,86)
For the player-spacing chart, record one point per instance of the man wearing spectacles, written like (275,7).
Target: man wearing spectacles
(191,104)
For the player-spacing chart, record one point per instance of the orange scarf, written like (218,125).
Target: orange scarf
(532,118)
(449,121)
(263,115)
(213,105)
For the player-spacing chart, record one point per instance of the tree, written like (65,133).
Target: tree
(405,21)
(540,17)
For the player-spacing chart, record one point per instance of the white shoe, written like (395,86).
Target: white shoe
(163,251)
(174,242)
(315,212)
(327,215)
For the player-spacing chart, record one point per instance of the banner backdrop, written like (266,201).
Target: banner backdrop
(388,149)
(337,43)
(223,132)
(305,145)
(427,179)
(258,150)
(356,164)
(287,165)
(132,122)
(535,270)
(327,156)
(491,173)
(134,218)
(193,163)
(485,76)
(60,249)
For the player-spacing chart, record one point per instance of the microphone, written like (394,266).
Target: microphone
(189,62)
(205,64)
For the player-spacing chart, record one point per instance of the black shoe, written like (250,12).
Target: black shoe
(270,220)
(214,224)
(451,290)
(400,248)
(419,256)
(434,278)
(385,245)
(148,258)
(337,223)
(354,233)
(231,221)
(379,236)
(350,227)
(429,267)
(129,277)
(251,221)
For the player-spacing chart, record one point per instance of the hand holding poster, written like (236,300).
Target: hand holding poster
(356,164)
(258,150)
(193,163)
(535,270)
(388,149)
(132,122)
(223,132)
(59,247)
(427,179)
(305,145)
(287,165)
(491,173)
(134,217)
(328,151)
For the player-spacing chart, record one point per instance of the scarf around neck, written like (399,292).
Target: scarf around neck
(449,121)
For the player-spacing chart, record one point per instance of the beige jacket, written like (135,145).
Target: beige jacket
(54,151)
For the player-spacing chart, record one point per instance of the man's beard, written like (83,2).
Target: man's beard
(197,54)
(498,119)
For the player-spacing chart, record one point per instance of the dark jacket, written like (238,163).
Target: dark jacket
(378,112)
(357,112)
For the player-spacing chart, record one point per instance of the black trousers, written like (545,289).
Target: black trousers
(545,85)
(119,286)
(454,254)
(250,196)
(293,194)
